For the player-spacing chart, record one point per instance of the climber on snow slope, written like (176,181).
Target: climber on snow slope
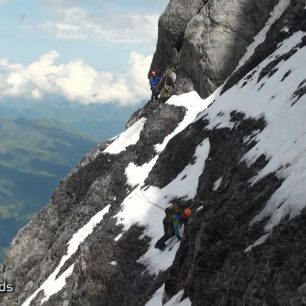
(175,218)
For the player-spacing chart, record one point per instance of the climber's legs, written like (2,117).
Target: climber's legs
(168,233)
(155,94)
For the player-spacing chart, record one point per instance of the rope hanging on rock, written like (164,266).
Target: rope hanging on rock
(144,197)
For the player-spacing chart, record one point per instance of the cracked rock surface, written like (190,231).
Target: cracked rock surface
(204,40)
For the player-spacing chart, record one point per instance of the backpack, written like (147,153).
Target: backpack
(172,210)
(166,92)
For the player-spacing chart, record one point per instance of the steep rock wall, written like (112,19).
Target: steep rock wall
(204,40)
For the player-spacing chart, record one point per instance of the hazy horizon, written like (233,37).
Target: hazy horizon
(93,52)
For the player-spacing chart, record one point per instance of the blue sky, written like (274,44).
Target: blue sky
(105,40)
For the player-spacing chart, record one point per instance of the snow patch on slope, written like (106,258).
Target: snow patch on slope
(55,283)
(177,300)
(137,174)
(217,184)
(157,299)
(194,105)
(146,207)
(127,138)
(258,242)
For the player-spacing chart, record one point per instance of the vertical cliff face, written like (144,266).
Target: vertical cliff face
(237,158)
(204,40)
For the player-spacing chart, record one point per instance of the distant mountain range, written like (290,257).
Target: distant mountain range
(101,121)
(34,156)
(40,141)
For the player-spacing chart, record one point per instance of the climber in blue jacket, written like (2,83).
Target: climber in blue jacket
(154,81)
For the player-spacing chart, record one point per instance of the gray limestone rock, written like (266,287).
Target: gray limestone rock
(172,26)
(205,40)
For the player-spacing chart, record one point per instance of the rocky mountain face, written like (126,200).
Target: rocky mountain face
(204,40)
(237,158)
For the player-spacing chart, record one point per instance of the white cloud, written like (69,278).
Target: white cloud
(121,27)
(76,80)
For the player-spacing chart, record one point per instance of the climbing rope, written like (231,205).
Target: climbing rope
(144,197)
